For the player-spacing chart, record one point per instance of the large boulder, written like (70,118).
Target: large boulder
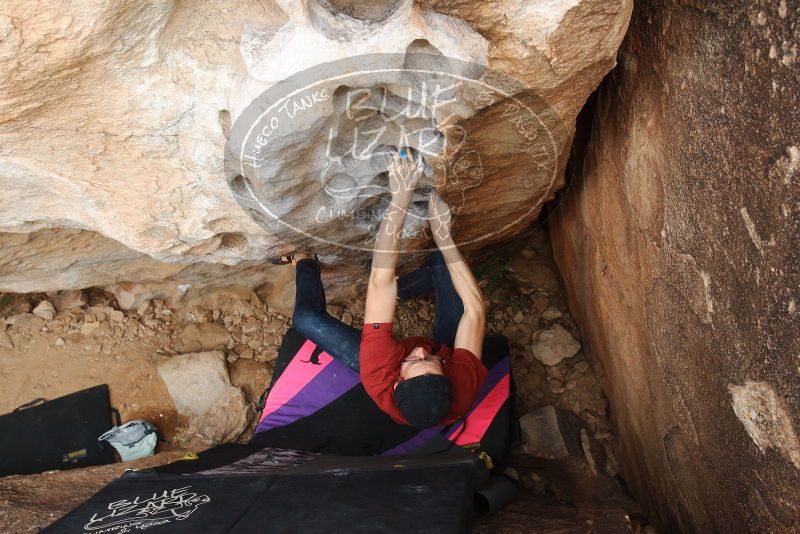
(678,242)
(213,410)
(115,118)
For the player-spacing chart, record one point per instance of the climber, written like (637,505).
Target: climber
(417,381)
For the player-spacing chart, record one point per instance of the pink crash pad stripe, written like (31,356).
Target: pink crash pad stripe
(295,377)
(478,421)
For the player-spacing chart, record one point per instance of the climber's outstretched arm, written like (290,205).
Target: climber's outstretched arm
(472,326)
(404,173)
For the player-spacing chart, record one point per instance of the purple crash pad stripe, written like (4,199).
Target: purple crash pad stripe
(330,384)
(500,369)
(413,443)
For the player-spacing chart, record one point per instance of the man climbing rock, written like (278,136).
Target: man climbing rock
(418,381)
(422,381)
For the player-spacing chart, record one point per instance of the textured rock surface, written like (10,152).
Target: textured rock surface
(678,241)
(114,118)
(551,433)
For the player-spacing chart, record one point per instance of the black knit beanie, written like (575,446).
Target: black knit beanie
(424,400)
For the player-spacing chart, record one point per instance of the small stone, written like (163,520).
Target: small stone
(273,325)
(60,342)
(69,300)
(554,344)
(528,253)
(570,384)
(115,315)
(602,435)
(88,329)
(202,336)
(538,484)
(612,465)
(551,433)
(236,332)
(551,314)
(511,472)
(511,332)
(592,451)
(554,372)
(247,353)
(347,318)
(147,331)
(232,357)
(251,324)
(519,317)
(5,341)
(424,312)
(45,310)
(600,406)
(556,387)
(541,303)
(144,308)
(532,380)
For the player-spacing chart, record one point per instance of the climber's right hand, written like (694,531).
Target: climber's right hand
(404,173)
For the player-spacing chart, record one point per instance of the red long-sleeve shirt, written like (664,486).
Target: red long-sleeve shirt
(381,356)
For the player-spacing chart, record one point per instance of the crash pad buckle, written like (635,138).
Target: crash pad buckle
(189,456)
(487,460)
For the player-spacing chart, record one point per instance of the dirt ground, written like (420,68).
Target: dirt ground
(38,368)
(91,342)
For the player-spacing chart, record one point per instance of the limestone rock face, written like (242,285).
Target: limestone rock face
(115,117)
(678,242)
